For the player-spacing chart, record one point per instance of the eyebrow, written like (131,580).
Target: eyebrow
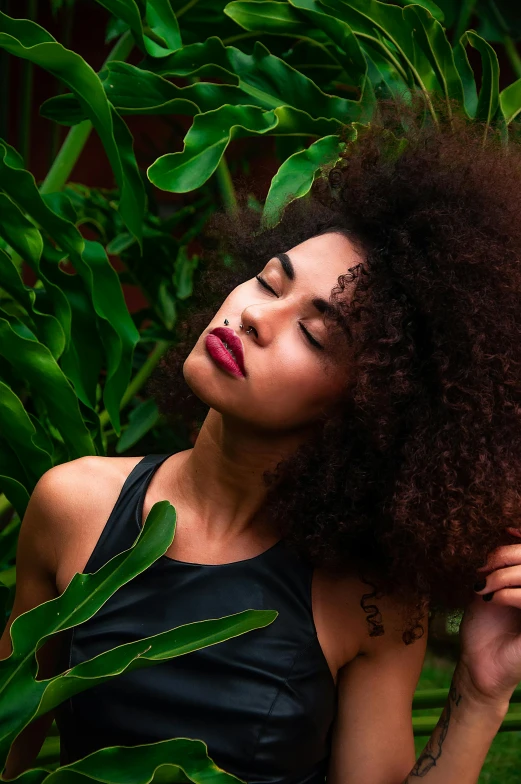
(289,270)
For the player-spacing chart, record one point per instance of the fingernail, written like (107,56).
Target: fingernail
(488,596)
(480,584)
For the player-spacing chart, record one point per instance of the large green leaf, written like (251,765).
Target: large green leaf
(20,693)
(115,326)
(380,23)
(430,36)
(133,90)
(34,362)
(264,80)
(160,36)
(176,760)
(28,40)
(149,651)
(210,134)
(38,697)
(295,176)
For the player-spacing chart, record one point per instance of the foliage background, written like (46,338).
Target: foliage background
(157,252)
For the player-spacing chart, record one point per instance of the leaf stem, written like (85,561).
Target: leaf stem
(186,8)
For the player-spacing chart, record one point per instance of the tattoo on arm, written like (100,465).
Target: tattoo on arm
(432,751)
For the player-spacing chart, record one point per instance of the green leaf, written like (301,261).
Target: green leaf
(430,36)
(176,760)
(160,36)
(149,651)
(211,133)
(351,57)
(375,22)
(17,427)
(34,362)
(116,329)
(470,92)
(184,269)
(510,100)
(385,79)
(488,101)
(266,16)
(48,329)
(296,175)
(264,80)
(28,40)
(13,487)
(209,58)
(18,232)
(429,6)
(20,693)
(140,421)
(82,598)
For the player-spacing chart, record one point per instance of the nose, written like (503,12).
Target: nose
(255,325)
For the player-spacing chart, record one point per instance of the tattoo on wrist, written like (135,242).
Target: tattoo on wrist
(432,751)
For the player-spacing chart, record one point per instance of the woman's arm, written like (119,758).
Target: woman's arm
(458,747)
(373,741)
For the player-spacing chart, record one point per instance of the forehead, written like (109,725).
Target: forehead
(326,257)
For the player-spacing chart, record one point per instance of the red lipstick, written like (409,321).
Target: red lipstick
(225,348)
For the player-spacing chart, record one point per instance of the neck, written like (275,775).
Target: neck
(220,480)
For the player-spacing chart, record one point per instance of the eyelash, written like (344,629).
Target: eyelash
(310,337)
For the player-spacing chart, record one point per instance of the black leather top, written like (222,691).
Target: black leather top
(263,702)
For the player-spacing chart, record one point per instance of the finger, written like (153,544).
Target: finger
(510,576)
(507,597)
(506,555)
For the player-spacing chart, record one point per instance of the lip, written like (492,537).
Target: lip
(214,344)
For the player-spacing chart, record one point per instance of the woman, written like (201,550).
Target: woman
(361,385)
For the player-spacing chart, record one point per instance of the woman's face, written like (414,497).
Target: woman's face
(290,382)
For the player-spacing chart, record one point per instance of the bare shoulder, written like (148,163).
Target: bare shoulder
(83,493)
(346,612)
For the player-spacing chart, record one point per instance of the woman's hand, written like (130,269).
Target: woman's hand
(490,631)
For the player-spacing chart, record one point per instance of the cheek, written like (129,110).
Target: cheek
(298,386)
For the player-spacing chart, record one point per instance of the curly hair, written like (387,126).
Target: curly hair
(413,481)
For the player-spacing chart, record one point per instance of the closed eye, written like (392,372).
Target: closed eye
(310,337)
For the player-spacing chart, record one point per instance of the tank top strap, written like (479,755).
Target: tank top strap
(123,524)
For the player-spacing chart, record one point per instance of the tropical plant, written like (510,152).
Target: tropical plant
(72,357)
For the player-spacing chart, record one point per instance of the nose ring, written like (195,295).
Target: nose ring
(240,326)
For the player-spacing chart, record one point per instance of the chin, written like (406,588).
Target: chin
(206,381)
